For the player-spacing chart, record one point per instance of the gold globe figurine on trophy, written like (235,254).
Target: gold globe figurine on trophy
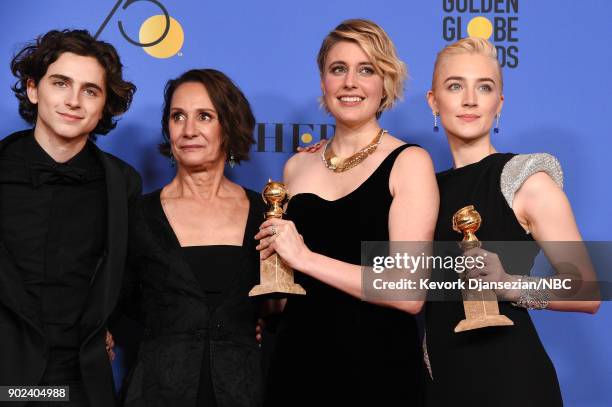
(480,307)
(275,277)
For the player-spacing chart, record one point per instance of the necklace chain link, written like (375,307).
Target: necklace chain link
(337,164)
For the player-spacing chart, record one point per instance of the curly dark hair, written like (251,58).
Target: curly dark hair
(34,59)
(234,111)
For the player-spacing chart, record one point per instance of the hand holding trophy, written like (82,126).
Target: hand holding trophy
(274,275)
(480,307)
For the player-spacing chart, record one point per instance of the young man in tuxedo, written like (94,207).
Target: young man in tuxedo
(64,207)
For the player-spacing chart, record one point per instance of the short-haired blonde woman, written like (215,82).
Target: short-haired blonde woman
(366,185)
(519,198)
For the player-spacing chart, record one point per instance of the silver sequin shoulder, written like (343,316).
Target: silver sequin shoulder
(522,166)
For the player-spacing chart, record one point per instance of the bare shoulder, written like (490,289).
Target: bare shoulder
(537,181)
(298,163)
(414,158)
(537,189)
(413,170)
(236,191)
(411,153)
(168,191)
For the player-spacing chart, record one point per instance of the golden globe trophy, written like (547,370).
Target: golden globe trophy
(275,277)
(480,307)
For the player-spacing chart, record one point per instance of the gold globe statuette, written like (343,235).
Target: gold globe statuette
(480,307)
(275,277)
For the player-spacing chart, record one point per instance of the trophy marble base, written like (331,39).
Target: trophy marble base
(481,311)
(276,279)
(487,321)
(280,288)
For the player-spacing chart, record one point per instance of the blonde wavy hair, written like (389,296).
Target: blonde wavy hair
(380,50)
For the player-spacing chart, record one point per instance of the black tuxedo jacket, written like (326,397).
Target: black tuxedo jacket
(23,346)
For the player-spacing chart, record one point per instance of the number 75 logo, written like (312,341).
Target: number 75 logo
(160,36)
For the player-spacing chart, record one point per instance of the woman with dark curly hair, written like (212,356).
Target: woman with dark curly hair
(193,255)
(63,217)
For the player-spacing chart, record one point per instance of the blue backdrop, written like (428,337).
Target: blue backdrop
(557,59)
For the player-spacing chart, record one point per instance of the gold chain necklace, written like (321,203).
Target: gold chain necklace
(337,164)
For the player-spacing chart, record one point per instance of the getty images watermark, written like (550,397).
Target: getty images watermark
(441,270)
(460,264)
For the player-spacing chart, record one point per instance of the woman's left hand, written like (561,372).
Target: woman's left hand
(281,236)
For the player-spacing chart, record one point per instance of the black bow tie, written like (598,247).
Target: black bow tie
(64,174)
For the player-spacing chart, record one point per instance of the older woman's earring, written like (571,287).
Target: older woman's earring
(172,161)
(496,128)
(435,127)
(232,160)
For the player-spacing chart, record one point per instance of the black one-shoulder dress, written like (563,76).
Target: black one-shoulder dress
(334,349)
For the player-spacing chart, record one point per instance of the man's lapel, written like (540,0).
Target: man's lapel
(12,288)
(106,282)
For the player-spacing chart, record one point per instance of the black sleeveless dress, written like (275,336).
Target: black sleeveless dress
(333,348)
(494,366)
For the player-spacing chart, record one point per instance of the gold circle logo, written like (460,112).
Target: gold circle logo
(153,28)
(480,27)
(306,138)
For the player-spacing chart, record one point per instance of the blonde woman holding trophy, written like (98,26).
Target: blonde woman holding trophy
(364,185)
(519,198)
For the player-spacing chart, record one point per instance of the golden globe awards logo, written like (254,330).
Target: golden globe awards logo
(160,35)
(494,20)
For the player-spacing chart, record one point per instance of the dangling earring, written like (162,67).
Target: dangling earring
(172,161)
(232,160)
(496,128)
(435,127)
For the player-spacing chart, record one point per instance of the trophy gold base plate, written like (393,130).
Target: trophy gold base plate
(489,320)
(277,288)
